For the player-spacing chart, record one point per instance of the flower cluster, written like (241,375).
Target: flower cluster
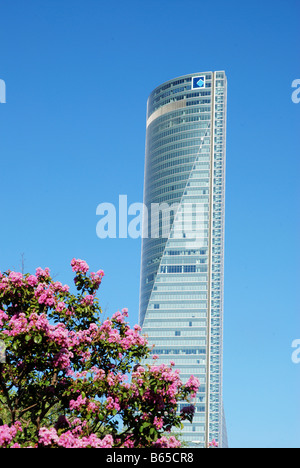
(16,278)
(70,439)
(213,444)
(71,378)
(79,266)
(97,278)
(193,385)
(169,379)
(40,273)
(126,337)
(164,442)
(7,434)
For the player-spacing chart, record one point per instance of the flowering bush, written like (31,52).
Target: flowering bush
(71,380)
(213,444)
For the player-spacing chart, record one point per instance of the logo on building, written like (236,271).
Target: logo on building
(198,82)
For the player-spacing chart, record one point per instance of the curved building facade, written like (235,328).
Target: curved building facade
(181,294)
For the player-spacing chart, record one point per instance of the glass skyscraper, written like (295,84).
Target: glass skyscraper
(181,295)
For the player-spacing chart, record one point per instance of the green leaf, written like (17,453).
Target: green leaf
(16,346)
(38,339)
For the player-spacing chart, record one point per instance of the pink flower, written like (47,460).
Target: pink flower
(163,442)
(32,280)
(39,322)
(3,316)
(118,317)
(48,436)
(58,287)
(40,273)
(158,423)
(67,440)
(7,434)
(129,443)
(71,439)
(112,404)
(62,359)
(79,266)
(77,404)
(47,298)
(17,324)
(107,442)
(213,444)
(88,300)
(4,283)
(193,385)
(93,407)
(16,278)
(97,278)
(60,306)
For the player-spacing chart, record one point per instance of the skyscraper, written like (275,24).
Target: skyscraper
(181,295)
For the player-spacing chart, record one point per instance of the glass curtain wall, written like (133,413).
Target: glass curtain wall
(181,294)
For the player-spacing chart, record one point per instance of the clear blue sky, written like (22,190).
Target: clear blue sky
(72,134)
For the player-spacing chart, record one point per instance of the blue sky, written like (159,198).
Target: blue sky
(72,134)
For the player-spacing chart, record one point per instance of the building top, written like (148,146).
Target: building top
(172,91)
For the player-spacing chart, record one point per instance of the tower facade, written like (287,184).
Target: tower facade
(182,268)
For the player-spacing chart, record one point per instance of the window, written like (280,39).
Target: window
(175,269)
(189,269)
(156,306)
